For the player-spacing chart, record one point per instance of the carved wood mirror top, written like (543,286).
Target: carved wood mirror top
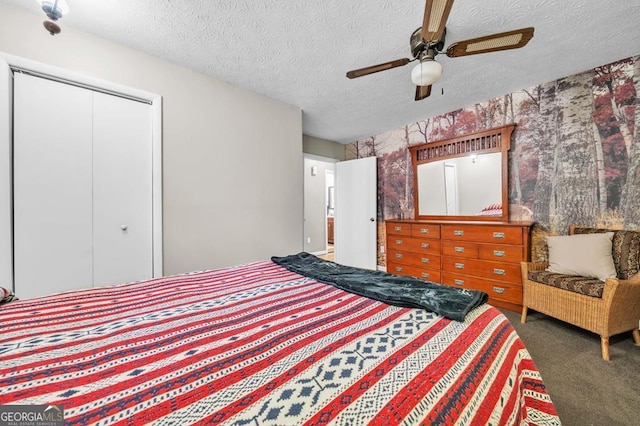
(463,178)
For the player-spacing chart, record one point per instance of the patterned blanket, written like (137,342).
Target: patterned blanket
(258,344)
(409,292)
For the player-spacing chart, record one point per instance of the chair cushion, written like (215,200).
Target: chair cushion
(625,249)
(588,286)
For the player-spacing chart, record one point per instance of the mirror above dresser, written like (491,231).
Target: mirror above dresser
(463,178)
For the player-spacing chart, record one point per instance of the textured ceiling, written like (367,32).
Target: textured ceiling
(298,52)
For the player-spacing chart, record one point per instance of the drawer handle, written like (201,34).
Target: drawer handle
(398,228)
(499,271)
(459,249)
(458,282)
(498,253)
(425,260)
(424,230)
(398,242)
(498,290)
(399,255)
(459,265)
(498,235)
(425,275)
(458,233)
(398,269)
(425,245)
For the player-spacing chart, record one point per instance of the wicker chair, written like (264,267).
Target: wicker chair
(617,311)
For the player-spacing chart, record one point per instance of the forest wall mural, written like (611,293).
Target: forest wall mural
(574,158)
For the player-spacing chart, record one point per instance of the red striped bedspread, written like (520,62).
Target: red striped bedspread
(259,345)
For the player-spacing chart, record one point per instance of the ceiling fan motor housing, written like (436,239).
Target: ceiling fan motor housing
(419,45)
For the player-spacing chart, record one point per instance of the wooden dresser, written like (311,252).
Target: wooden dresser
(474,255)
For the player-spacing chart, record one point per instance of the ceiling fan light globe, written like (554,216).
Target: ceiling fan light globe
(426,73)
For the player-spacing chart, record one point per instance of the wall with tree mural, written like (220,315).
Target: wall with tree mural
(574,158)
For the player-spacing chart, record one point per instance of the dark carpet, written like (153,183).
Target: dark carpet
(585,389)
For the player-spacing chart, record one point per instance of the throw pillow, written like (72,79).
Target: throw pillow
(585,255)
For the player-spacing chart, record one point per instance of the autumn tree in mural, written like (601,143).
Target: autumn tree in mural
(574,158)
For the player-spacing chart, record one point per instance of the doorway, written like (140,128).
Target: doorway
(319,185)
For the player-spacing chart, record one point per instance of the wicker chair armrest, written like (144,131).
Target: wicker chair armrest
(623,292)
(535,266)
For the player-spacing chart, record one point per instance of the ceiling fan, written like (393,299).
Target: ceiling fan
(428,41)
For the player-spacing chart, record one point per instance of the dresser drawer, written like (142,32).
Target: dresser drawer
(425,230)
(506,292)
(398,228)
(413,271)
(506,272)
(426,260)
(484,234)
(501,253)
(416,245)
(460,249)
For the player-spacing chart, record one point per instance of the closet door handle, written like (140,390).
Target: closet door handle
(124,227)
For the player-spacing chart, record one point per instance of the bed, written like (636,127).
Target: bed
(259,344)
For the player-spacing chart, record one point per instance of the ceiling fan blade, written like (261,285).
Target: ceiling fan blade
(377,68)
(436,13)
(491,43)
(422,92)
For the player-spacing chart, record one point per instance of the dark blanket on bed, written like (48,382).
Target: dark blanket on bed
(450,302)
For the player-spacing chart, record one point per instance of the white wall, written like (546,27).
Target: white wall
(232,159)
(323,147)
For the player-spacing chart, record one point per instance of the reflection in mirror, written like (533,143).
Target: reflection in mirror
(461,186)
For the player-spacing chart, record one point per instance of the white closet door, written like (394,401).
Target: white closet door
(52,186)
(122,194)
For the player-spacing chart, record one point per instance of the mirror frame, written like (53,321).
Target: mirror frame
(493,140)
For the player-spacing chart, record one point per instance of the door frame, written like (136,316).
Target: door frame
(11,63)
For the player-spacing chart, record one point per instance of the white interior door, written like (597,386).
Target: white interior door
(122,190)
(355,213)
(52,182)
